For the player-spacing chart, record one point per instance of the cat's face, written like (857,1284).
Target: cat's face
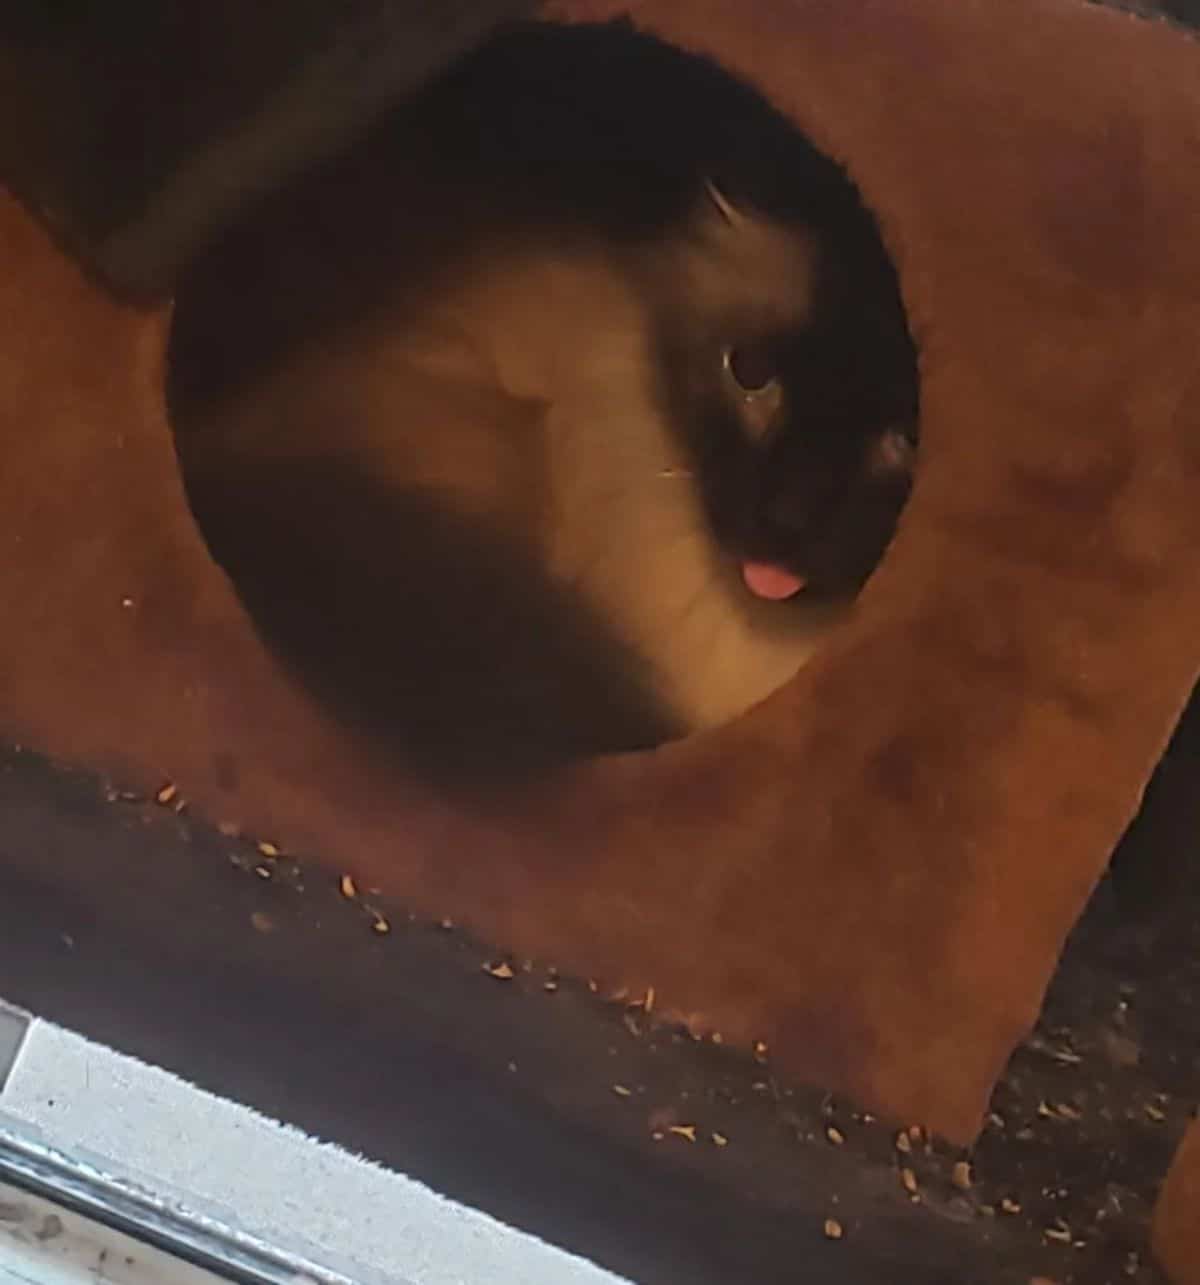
(791,375)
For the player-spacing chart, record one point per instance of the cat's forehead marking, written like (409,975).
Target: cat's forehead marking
(752,260)
(764,270)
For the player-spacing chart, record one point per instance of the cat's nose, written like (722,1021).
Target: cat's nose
(891,454)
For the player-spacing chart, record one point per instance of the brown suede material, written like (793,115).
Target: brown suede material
(875,870)
(1175,1235)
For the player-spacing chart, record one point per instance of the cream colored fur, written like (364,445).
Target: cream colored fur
(525,391)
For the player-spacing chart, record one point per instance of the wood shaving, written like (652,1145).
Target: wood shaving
(268,849)
(166,795)
(1059,1053)
(622,1091)
(835,1135)
(685,1131)
(501,972)
(719,1140)
(833,1229)
(380,926)
(347,888)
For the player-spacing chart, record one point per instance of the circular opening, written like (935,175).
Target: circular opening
(458,411)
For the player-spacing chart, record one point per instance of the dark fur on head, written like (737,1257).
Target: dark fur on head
(794,383)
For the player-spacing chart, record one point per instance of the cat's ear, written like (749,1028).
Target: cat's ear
(723,205)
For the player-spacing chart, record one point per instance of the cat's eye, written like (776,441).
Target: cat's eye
(753,367)
(756,389)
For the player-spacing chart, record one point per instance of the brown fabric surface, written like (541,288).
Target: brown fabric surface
(1175,1236)
(874,871)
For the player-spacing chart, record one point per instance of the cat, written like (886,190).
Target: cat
(526,434)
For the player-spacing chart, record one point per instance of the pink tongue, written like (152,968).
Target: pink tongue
(767,580)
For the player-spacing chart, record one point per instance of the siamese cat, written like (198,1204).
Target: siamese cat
(529,432)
